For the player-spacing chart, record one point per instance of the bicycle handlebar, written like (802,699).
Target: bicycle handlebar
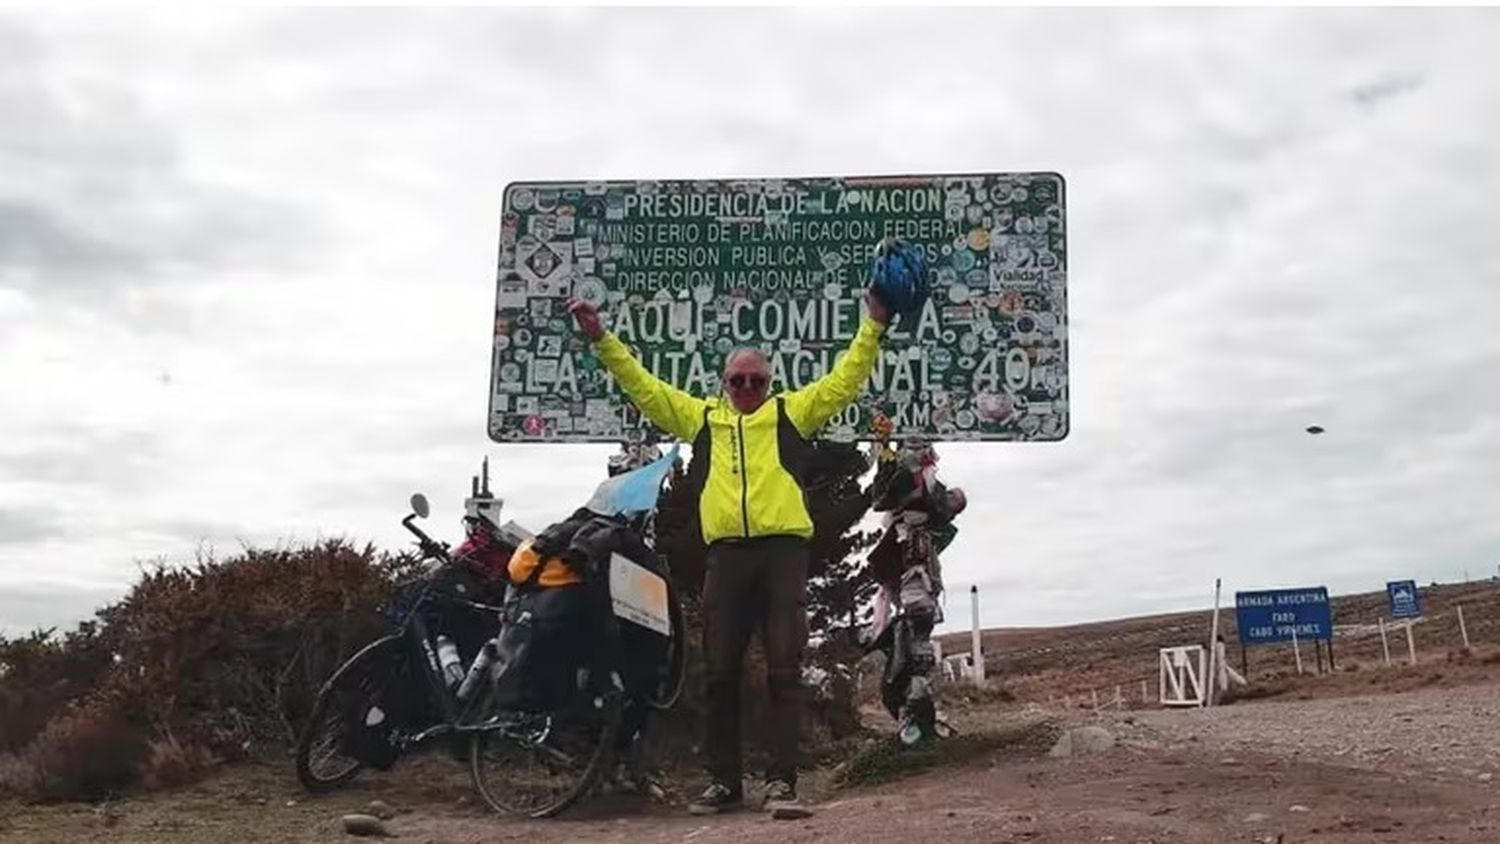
(430,547)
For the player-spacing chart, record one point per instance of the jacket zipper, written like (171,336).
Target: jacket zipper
(744,481)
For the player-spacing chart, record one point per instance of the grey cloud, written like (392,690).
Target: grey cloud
(31,236)
(1373,93)
(204,532)
(97,196)
(538,487)
(30,525)
(117,462)
(27,608)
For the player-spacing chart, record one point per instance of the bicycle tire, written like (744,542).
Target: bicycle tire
(365,663)
(497,798)
(676,674)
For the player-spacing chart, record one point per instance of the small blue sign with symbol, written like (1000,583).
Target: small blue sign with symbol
(1278,615)
(1404,600)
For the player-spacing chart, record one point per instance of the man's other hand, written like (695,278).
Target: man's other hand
(587,317)
(878,310)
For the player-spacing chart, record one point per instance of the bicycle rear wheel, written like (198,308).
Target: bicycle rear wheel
(351,707)
(537,765)
(673,674)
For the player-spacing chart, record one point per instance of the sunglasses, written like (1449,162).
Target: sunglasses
(754,382)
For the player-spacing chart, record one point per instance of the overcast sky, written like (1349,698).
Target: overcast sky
(247,263)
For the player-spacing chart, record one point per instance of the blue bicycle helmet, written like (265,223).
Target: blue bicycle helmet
(899,276)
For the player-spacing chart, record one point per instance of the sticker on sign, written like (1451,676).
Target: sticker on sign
(685,272)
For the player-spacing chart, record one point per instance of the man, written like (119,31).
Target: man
(748,450)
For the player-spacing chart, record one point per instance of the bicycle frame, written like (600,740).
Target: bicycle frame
(422,652)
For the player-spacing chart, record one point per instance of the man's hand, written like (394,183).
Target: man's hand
(587,317)
(878,310)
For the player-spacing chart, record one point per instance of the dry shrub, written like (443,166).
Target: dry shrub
(963,694)
(225,648)
(885,759)
(1274,687)
(14,776)
(219,659)
(223,658)
(86,753)
(171,763)
(40,674)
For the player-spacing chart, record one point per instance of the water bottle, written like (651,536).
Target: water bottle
(477,671)
(453,670)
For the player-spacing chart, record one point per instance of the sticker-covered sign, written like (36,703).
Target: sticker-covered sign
(686,272)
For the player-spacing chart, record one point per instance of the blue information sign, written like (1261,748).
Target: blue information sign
(1274,615)
(1404,600)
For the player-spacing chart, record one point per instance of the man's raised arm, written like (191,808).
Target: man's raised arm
(812,406)
(671,409)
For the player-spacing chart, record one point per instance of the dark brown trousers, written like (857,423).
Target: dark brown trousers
(757,584)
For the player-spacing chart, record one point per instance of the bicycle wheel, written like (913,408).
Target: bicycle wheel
(536,765)
(674,673)
(327,751)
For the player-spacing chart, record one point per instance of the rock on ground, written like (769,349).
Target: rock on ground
(364,825)
(1082,741)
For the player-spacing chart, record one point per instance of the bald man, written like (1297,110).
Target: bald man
(748,453)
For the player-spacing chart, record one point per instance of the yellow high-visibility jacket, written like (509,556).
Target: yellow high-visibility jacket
(750,465)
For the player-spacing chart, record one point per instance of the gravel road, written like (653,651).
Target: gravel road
(1449,733)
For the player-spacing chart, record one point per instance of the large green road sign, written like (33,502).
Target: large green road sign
(687,271)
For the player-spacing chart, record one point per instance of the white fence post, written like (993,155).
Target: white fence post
(1385,643)
(976,643)
(1213,647)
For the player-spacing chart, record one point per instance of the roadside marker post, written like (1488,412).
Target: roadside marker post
(1385,643)
(976,643)
(1213,641)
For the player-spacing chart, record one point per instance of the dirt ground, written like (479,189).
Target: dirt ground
(1044,665)
(1413,766)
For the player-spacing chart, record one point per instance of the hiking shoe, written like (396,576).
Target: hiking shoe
(717,798)
(782,801)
